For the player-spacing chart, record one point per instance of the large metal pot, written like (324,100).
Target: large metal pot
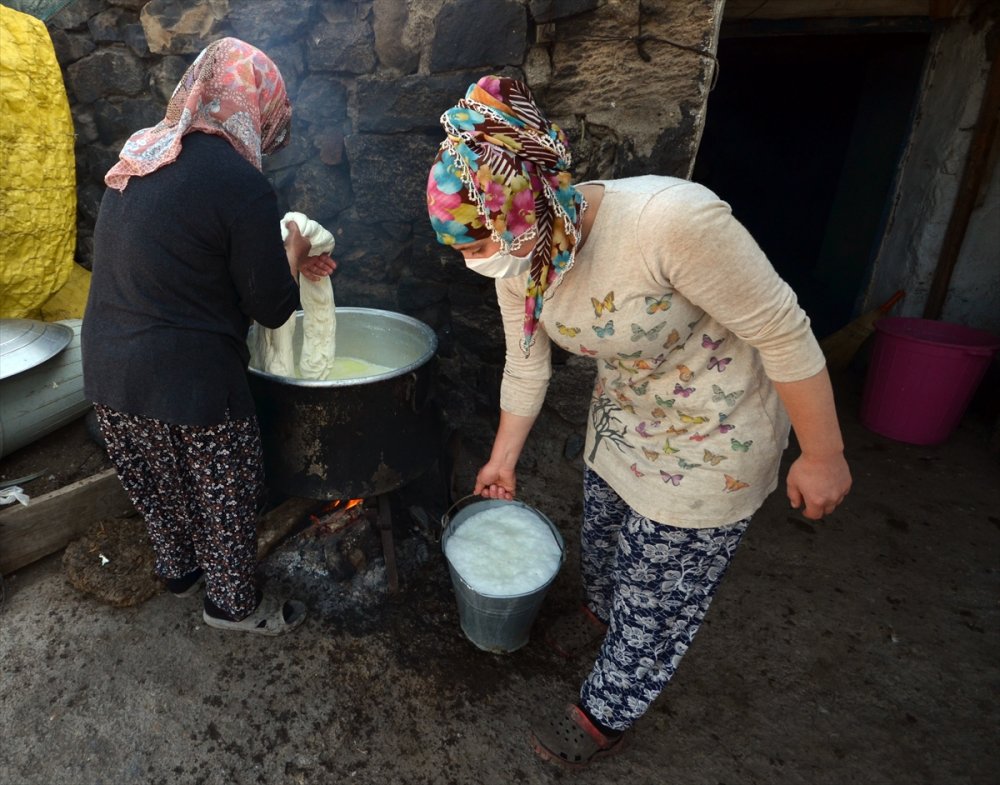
(353,438)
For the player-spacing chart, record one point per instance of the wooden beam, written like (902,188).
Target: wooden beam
(945,9)
(285,519)
(50,521)
(753,27)
(826,9)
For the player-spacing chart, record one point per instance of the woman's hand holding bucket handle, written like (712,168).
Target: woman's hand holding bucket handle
(496,482)
(498,478)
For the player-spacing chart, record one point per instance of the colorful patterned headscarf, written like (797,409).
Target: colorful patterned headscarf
(232,90)
(503,173)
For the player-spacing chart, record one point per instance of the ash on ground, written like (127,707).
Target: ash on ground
(342,577)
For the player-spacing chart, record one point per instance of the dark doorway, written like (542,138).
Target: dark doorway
(803,138)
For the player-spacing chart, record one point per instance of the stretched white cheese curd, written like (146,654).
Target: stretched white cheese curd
(319,317)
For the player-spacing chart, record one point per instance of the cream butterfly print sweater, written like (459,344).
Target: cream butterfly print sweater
(688,323)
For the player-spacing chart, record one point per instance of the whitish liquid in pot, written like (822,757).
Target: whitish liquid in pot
(353,368)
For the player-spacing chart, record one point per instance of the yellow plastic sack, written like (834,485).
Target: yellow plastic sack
(37,177)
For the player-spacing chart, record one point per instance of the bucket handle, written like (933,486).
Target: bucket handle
(446,518)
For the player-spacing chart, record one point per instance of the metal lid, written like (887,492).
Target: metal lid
(25,343)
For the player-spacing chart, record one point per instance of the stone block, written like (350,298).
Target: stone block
(436,317)
(117,120)
(479,332)
(70,47)
(344,47)
(74,16)
(399,230)
(320,101)
(622,91)
(108,27)
(132,5)
(88,201)
(104,73)
(165,74)
(84,255)
(440,263)
(351,292)
(672,152)
(569,389)
(415,293)
(135,39)
(471,34)
(545,11)
(320,191)
(94,161)
(365,253)
(387,105)
(468,289)
(261,22)
(298,150)
(289,58)
(84,126)
(387,174)
(389,26)
(179,27)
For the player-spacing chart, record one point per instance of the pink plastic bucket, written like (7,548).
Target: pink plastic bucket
(922,375)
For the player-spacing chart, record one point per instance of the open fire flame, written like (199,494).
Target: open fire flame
(335,515)
(340,504)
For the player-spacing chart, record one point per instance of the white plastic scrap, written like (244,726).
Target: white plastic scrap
(14,493)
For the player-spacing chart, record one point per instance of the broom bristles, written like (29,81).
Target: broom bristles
(841,346)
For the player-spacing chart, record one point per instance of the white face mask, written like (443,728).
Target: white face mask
(500,265)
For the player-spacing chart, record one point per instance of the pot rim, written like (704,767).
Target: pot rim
(27,343)
(429,334)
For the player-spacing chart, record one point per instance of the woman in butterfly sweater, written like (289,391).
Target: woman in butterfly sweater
(703,357)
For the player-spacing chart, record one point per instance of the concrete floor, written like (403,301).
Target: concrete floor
(865,649)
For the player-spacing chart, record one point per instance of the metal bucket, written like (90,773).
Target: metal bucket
(357,437)
(499,624)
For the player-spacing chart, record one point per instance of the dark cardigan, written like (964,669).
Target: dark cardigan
(184,259)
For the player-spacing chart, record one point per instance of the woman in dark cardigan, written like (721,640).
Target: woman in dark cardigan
(188,252)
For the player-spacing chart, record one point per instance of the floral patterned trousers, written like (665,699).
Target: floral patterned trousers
(197,488)
(652,584)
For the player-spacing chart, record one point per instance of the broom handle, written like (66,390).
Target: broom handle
(885,307)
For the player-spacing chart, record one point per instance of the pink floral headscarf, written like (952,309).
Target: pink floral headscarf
(503,172)
(232,90)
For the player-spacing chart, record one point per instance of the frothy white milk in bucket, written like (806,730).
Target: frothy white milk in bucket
(504,551)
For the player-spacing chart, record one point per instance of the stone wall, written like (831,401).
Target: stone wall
(368,80)
(930,176)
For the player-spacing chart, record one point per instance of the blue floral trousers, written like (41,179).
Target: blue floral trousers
(652,584)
